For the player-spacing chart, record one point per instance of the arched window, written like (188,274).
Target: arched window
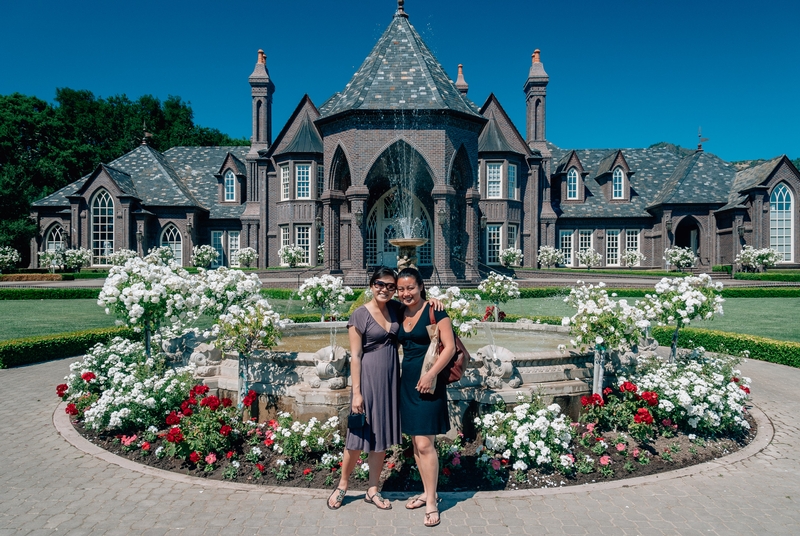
(55,238)
(780,221)
(171,238)
(616,183)
(572,184)
(230,185)
(102,227)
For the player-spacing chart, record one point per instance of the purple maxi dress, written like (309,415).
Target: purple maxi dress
(380,380)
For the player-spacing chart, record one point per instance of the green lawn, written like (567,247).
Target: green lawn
(775,318)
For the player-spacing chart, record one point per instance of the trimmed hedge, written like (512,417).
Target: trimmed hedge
(761,292)
(761,348)
(725,268)
(31,277)
(16,352)
(49,293)
(290,294)
(747,276)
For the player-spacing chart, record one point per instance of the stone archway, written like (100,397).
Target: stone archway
(382,226)
(687,235)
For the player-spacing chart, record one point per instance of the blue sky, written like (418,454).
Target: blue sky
(625,73)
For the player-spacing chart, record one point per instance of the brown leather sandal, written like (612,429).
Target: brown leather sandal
(339,493)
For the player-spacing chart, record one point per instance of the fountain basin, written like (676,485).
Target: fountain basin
(407,251)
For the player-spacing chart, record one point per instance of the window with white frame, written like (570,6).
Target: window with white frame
(320,180)
(233,247)
(494,180)
(230,186)
(584,239)
(480,186)
(302,174)
(780,221)
(218,244)
(285,237)
(102,227)
(612,247)
(55,238)
(572,184)
(320,241)
(302,239)
(171,238)
(511,236)
(632,240)
(565,244)
(617,182)
(493,243)
(512,181)
(284,183)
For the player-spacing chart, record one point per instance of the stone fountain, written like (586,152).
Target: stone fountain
(407,251)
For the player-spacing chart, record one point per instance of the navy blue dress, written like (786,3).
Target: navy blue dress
(420,414)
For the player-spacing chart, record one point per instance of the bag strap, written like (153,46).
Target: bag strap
(430,310)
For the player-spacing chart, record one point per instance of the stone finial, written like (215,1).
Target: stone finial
(400,10)
(262,58)
(536,56)
(461,84)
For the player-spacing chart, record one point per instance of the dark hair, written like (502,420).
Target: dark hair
(383,271)
(413,272)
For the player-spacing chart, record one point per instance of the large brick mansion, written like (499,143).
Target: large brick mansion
(479,184)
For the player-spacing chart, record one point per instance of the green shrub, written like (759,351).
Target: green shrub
(767,276)
(761,292)
(49,293)
(726,268)
(763,349)
(16,352)
(290,294)
(89,275)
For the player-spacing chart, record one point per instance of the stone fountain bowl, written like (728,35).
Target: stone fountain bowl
(408,242)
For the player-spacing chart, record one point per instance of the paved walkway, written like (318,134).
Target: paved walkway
(47,486)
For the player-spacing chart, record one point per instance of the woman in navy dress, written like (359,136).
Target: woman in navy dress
(423,410)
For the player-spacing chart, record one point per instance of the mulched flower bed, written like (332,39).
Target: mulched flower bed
(600,457)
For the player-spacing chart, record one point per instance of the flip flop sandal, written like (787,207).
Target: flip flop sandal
(419,499)
(377,496)
(339,493)
(429,515)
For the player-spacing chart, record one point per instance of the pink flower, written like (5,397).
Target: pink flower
(456,461)
(635,453)
(211,458)
(621,446)
(127,440)
(496,465)
(605,460)
(590,427)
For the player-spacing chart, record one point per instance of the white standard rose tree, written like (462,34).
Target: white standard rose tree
(203,256)
(550,256)
(757,260)
(589,258)
(511,257)
(75,259)
(459,307)
(680,300)
(680,257)
(247,256)
(150,295)
(324,293)
(499,289)
(9,258)
(603,324)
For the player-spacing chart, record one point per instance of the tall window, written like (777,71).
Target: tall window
(631,240)
(565,243)
(493,244)
(55,238)
(218,245)
(512,181)
(171,238)
(480,186)
(230,186)
(320,180)
(494,178)
(617,181)
(233,247)
(302,239)
(285,238)
(284,183)
(584,239)
(303,180)
(572,184)
(780,221)
(511,236)
(612,247)
(102,227)
(320,241)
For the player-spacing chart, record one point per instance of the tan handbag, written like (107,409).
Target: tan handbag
(432,354)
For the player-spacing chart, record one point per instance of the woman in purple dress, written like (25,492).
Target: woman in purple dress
(375,374)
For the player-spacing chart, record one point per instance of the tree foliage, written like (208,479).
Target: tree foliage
(44,146)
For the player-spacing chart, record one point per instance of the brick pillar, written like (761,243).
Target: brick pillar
(331,205)
(357,196)
(443,197)
(473,230)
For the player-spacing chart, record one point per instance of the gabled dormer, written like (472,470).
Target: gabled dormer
(570,175)
(502,155)
(232,179)
(613,176)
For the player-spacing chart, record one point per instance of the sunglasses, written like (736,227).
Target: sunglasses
(391,287)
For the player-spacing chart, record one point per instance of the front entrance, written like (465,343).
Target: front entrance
(382,226)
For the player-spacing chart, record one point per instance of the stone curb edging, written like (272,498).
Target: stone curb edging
(766,432)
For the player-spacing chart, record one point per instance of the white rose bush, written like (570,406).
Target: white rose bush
(324,293)
(459,307)
(680,257)
(757,260)
(75,259)
(247,257)
(511,257)
(631,258)
(9,258)
(52,259)
(498,288)
(291,255)
(203,256)
(550,256)
(161,254)
(121,256)
(589,258)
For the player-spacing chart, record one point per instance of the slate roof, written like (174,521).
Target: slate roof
(305,140)
(196,167)
(492,139)
(59,197)
(400,73)
(698,178)
(652,167)
(750,178)
(122,179)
